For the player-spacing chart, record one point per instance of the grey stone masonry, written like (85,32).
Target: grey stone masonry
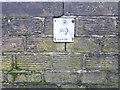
(32,8)
(30,57)
(90,8)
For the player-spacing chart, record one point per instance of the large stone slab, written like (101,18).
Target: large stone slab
(111,44)
(12,44)
(32,8)
(42,44)
(37,62)
(91,8)
(67,62)
(6,62)
(84,44)
(93,77)
(96,25)
(60,77)
(22,26)
(101,62)
(23,78)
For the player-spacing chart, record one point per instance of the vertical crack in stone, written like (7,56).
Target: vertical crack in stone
(65,46)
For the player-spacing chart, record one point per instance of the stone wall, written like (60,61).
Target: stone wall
(31,58)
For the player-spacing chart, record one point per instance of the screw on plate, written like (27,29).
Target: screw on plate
(64,21)
(73,21)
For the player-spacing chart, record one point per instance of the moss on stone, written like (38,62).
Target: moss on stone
(14,76)
(46,44)
(83,44)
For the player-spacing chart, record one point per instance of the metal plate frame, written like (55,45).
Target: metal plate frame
(63,29)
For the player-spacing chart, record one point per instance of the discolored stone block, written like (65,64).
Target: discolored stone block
(88,61)
(101,62)
(114,79)
(32,26)
(53,77)
(12,44)
(70,62)
(91,8)
(32,8)
(5,26)
(84,44)
(109,62)
(6,62)
(110,44)
(34,62)
(48,26)
(28,78)
(44,44)
(95,25)
(16,26)
(60,77)
(93,77)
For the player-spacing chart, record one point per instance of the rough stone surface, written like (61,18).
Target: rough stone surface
(91,8)
(32,26)
(84,44)
(93,77)
(114,79)
(110,44)
(95,25)
(12,44)
(22,26)
(30,58)
(36,62)
(6,62)
(70,62)
(32,8)
(60,78)
(44,44)
(5,26)
(48,26)
(36,78)
(101,62)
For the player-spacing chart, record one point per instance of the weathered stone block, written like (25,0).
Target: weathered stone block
(16,26)
(68,62)
(32,26)
(48,26)
(60,77)
(95,25)
(12,44)
(33,78)
(110,44)
(34,62)
(93,77)
(91,8)
(53,77)
(32,8)
(84,44)
(44,44)
(101,62)
(114,79)
(6,62)
(5,26)
(109,62)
